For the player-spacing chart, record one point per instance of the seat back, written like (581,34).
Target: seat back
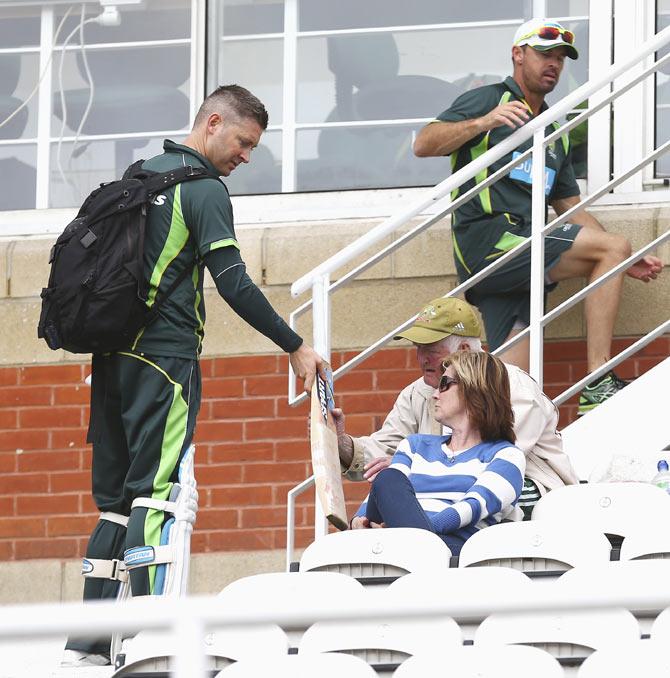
(538,548)
(568,636)
(647,542)
(289,590)
(481,583)
(382,644)
(611,508)
(660,629)
(646,658)
(371,554)
(620,576)
(300,666)
(505,661)
(152,651)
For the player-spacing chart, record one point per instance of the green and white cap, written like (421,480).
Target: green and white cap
(545,34)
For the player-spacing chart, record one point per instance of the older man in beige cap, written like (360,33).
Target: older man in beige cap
(444,326)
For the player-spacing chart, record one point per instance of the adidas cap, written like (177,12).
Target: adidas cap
(441,318)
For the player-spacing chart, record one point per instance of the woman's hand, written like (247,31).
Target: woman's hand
(362,523)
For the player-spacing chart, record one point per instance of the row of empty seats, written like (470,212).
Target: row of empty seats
(385,643)
(466,604)
(646,658)
(570,527)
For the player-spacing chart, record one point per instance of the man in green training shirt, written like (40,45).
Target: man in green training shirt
(499,218)
(145,399)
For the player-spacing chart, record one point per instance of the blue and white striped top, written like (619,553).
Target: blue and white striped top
(464,492)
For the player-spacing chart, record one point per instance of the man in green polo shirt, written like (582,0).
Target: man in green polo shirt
(499,218)
(145,399)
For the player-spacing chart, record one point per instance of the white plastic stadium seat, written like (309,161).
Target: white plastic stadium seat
(377,553)
(505,661)
(660,629)
(612,508)
(646,543)
(289,590)
(152,651)
(568,636)
(644,658)
(300,666)
(536,547)
(381,643)
(620,576)
(480,583)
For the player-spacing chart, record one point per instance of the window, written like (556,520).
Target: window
(662,125)
(348,84)
(102,95)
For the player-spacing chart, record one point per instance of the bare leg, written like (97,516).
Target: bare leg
(593,254)
(518,354)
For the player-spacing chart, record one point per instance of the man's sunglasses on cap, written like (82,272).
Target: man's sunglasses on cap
(446,383)
(551,33)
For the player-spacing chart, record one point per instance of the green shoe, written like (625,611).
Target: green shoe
(597,393)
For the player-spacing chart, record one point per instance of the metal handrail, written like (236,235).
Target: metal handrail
(191,617)
(493,266)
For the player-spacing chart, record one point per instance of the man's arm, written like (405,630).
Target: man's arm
(409,415)
(443,138)
(535,427)
(234,285)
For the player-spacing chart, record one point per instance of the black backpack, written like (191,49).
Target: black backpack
(96,298)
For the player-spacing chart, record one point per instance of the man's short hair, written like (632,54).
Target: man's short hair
(235,101)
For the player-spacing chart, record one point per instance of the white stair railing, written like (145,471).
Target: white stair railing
(190,618)
(318,279)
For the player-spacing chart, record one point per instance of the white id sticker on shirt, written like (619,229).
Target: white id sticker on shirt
(523,172)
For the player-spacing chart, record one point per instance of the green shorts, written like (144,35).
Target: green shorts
(503,297)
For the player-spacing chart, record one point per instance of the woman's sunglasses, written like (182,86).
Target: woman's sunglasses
(446,383)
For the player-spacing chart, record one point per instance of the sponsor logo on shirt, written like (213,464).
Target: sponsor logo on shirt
(523,173)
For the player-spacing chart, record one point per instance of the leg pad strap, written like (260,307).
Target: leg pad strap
(104,569)
(156,504)
(117,518)
(144,556)
(107,569)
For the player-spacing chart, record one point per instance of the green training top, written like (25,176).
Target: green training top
(185,222)
(492,222)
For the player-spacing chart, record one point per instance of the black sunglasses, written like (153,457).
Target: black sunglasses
(446,383)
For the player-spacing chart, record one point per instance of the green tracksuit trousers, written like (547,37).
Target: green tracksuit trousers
(143,412)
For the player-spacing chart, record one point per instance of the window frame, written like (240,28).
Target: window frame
(45,137)
(290,205)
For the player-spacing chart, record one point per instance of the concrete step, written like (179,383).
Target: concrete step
(633,422)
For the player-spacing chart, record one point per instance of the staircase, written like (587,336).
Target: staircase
(633,422)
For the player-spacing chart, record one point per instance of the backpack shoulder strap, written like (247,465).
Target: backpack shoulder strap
(158,182)
(133,170)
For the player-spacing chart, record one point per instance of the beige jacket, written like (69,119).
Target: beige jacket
(535,421)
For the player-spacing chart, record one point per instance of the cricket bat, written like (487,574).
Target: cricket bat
(325,457)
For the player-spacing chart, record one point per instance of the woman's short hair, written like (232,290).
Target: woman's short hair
(483,384)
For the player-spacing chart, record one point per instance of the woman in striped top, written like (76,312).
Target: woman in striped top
(457,484)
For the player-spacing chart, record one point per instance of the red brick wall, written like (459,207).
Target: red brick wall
(251,447)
